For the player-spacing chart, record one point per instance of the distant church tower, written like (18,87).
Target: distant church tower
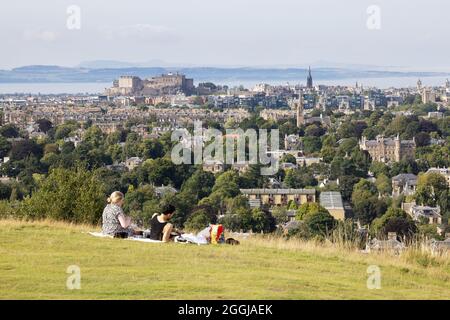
(419,85)
(297,105)
(309,80)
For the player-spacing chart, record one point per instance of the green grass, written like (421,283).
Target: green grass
(34,258)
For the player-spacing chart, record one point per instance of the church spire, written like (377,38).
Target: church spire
(309,80)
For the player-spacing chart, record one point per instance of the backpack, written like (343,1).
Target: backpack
(217,234)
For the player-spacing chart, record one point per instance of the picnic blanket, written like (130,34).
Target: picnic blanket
(101,235)
(183,239)
(191,238)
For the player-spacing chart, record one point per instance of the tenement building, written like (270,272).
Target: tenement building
(388,149)
(278,197)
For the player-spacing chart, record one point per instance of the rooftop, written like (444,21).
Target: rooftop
(405,177)
(278,191)
(331,200)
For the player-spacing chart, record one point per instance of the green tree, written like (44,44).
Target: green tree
(308,208)
(200,184)
(227,184)
(320,223)
(429,231)
(299,178)
(74,195)
(394,220)
(378,168)
(159,172)
(316,218)
(252,178)
(347,130)
(5,146)
(197,221)
(132,146)
(135,199)
(433,190)
(9,131)
(312,144)
(236,203)
(383,184)
(5,191)
(44,125)
(346,184)
(25,148)
(152,149)
(288,158)
(262,221)
(280,215)
(347,146)
(314,130)
(94,137)
(366,204)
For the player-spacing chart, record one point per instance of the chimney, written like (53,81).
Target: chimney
(392,235)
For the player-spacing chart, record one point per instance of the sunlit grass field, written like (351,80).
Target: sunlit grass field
(34,258)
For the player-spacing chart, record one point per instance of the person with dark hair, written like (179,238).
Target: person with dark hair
(160,228)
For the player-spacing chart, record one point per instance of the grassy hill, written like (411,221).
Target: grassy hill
(34,258)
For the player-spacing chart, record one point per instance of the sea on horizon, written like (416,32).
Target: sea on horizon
(99,87)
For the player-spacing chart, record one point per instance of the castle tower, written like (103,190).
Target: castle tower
(362,143)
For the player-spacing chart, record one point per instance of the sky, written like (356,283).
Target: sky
(405,34)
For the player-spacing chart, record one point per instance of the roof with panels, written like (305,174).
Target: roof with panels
(331,200)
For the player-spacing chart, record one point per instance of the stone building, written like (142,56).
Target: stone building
(332,201)
(213,166)
(388,149)
(292,142)
(404,184)
(170,83)
(133,162)
(432,215)
(278,197)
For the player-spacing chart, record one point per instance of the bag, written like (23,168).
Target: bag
(232,241)
(146,234)
(121,235)
(217,234)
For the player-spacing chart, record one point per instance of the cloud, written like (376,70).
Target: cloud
(145,32)
(40,35)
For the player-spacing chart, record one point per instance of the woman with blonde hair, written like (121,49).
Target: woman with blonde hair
(114,219)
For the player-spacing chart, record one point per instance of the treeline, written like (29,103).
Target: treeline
(53,178)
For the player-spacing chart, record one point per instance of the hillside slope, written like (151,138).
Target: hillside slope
(34,258)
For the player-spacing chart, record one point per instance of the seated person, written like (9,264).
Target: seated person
(160,228)
(114,219)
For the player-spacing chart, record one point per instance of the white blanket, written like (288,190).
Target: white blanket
(191,238)
(101,235)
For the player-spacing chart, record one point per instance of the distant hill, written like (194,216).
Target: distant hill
(114,64)
(105,64)
(57,74)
